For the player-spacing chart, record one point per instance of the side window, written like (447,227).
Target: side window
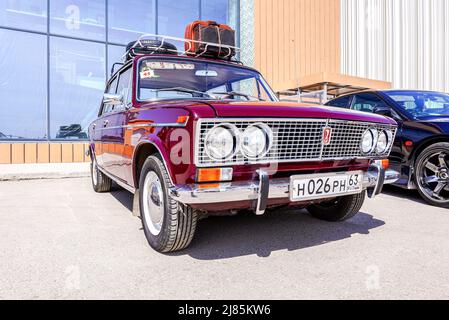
(367,102)
(112,88)
(342,102)
(124,88)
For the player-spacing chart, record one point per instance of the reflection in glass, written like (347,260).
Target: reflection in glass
(215,10)
(24,14)
(78,18)
(130,19)
(77,78)
(174,16)
(115,54)
(23,85)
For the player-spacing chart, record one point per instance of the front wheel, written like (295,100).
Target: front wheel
(339,209)
(432,174)
(168,225)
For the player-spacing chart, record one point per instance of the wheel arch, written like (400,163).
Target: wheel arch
(142,151)
(425,144)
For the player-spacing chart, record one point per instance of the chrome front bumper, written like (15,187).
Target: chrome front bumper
(263,190)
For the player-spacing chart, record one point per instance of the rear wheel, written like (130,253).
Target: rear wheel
(100,182)
(339,209)
(432,174)
(168,225)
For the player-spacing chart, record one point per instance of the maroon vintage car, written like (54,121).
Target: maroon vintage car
(195,136)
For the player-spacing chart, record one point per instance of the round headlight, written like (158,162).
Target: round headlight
(382,143)
(369,141)
(221,142)
(256,141)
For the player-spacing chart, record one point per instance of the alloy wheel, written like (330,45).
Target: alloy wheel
(434,176)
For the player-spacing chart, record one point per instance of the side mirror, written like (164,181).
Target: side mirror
(383,111)
(112,99)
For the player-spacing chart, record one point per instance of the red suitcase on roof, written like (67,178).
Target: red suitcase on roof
(212,32)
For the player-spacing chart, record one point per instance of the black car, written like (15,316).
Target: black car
(421,148)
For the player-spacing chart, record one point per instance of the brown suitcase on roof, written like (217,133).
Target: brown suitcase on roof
(212,32)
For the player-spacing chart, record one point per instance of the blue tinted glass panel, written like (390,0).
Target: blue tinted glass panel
(174,16)
(77,81)
(340,102)
(24,14)
(130,19)
(78,18)
(216,10)
(23,84)
(115,54)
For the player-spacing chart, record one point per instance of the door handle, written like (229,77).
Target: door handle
(105,123)
(94,126)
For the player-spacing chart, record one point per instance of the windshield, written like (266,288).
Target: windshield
(187,79)
(421,105)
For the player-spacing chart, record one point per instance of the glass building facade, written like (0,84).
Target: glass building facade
(56,55)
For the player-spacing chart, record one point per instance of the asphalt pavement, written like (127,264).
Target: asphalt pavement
(60,240)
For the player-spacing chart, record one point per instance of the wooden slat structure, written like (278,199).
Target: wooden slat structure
(327,86)
(296,38)
(42,152)
(298,47)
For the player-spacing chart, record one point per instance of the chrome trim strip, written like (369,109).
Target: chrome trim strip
(136,126)
(118,180)
(264,190)
(380,172)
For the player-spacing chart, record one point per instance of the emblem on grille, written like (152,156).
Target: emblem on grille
(327,134)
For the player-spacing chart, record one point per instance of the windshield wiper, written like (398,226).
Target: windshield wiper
(182,89)
(240,94)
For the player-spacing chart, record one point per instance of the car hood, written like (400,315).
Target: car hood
(291,110)
(435,119)
(437,125)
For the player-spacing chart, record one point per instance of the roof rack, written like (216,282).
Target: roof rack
(182,41)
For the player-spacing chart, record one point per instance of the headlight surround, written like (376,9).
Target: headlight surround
(256,141)
(369,141)
(221,142)
(383,142)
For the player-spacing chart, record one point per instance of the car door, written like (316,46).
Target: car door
(117,121)
(368,102)
(99,134)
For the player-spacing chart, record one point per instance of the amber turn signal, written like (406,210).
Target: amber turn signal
(182,119)
(385,163)
(214,174)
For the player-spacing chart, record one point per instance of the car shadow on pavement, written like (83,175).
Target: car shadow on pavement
(411,195)
(247,234)
(228,237)
(123,196)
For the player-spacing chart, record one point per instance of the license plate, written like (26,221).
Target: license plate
(321,186)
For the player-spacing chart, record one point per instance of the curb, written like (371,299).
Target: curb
(44,171)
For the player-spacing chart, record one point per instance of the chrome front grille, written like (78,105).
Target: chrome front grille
(294,140)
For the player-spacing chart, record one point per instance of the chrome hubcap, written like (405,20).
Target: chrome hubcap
(434,175)
(153,203)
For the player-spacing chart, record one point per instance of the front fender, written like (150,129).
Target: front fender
(168,142)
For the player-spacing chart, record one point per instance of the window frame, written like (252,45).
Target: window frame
(395,114)
(127,100)
(262,82)
(348,105)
